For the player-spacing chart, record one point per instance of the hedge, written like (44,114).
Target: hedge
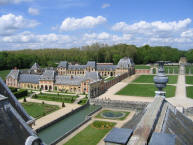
(20,93)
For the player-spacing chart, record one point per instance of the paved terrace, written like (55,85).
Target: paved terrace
(180,99)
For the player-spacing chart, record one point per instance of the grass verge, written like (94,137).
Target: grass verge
(189,92)
(38,110)
(189,79)
(149,79)
(92,134)
(56,98)
(147,90)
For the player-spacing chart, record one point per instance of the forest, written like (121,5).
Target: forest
(98,52)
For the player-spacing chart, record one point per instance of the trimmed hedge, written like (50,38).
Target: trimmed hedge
(21,93)
(13,89)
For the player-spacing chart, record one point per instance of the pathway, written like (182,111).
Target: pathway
(180,99)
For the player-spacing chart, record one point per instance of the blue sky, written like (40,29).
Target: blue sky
(73,23)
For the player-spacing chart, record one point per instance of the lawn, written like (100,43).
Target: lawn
(92,134)
(4,73)
(83,101)
(171,69)
(149,79)
(189,92)
(38,110)
(109,78)
(99,115)
(147,90)
(56,97)
(189,79)
(142,67)
(189,69)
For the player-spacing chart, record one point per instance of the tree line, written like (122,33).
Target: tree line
(98,52)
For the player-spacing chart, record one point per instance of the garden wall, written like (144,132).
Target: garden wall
(130,105)
(143,71)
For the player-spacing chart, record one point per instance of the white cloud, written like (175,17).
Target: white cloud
(10,23)
(35,41)
(33,11)
(12,1)
(70,24)
(149,28)
(106,5)
(188,33)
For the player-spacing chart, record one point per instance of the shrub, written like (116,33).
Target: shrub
(102,124)
(13,89)
(20,93)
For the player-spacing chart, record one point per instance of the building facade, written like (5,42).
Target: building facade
(68,78)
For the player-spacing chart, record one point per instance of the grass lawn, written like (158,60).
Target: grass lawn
(56,98)
(189,69)
(110,78)
(4,73)
(38,110)
(189,92)
(99,115)
(147,90)
(83,101)
(142,67)
(170,69)
(92,134)
(189,79)
(149,79)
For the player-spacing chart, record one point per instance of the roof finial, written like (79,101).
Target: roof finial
(161,79)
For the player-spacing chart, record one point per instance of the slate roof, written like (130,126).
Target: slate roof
(48,75)
(13,129)
(160,117)
(91,64)
(35,66)
(76,67)
(119,135)
(69,80)
(5,91)
(29,78)
(94,76)
(14,74)
(106,67)
(63,64)
(125,63)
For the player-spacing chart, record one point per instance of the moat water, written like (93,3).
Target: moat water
(58,129)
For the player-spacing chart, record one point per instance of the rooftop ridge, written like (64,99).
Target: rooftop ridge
(147,124)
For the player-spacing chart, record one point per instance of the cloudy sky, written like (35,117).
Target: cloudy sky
(74,23)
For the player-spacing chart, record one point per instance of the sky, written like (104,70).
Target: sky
(38,24)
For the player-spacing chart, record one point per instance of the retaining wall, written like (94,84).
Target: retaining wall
(61,118)
(128,105)
(188,111)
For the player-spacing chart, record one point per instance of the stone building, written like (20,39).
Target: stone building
(67,77)
(105,69)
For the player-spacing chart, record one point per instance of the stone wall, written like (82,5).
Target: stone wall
(188,111)
(143,71)
(128,105)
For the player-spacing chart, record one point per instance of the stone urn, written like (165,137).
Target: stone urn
(161,79)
